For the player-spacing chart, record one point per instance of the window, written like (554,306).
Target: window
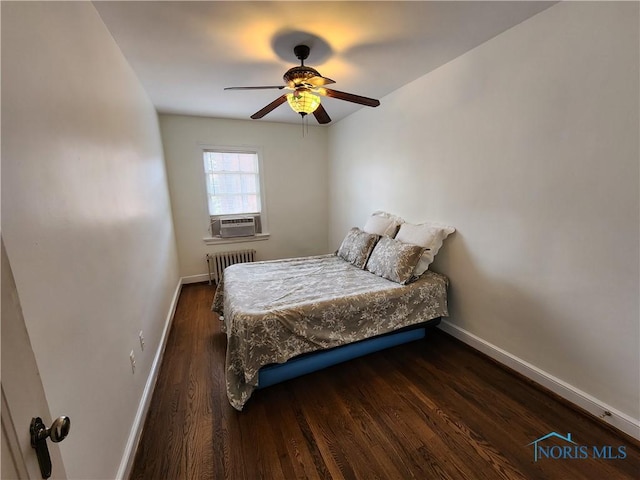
(234,189)
(233,182)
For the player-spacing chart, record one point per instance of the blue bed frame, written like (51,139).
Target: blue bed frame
(311,362)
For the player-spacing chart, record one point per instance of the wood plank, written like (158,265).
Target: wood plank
(429,409)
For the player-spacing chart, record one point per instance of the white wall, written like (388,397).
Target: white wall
(528,145)
(86,221)
(295,181)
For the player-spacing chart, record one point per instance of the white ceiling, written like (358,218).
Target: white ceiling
(185,53)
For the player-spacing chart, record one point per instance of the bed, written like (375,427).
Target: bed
(277,312)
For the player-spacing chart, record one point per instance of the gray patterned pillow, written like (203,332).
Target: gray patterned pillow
(357,246)
(394,260)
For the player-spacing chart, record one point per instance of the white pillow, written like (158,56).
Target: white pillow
(382,223)
(427,235)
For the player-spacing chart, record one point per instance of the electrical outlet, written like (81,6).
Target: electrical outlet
(141,337)
(132,357)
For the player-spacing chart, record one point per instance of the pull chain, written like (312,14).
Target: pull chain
(305,124)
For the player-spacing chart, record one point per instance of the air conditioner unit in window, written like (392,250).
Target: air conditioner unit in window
(231,227)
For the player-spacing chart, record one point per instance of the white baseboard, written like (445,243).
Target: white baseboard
(136,429)
(617,419)
(195,279)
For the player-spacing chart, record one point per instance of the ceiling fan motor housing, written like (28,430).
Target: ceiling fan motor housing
(298,75)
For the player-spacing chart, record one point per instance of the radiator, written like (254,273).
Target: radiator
(217,262)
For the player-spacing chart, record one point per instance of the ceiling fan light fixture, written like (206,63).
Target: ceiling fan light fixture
(303,102)
(303,80)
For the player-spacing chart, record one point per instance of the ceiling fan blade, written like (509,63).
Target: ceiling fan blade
(276,103)
(349,97)
(279,87)
(321,115)
(319,81)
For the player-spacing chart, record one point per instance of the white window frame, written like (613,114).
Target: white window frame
(209,239)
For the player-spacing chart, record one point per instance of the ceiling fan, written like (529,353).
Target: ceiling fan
(306,84)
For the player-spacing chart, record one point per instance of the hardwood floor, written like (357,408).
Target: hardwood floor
(431,409)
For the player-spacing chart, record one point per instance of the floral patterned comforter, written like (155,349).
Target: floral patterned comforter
(276,310)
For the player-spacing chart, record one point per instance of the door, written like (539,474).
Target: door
(23,396)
